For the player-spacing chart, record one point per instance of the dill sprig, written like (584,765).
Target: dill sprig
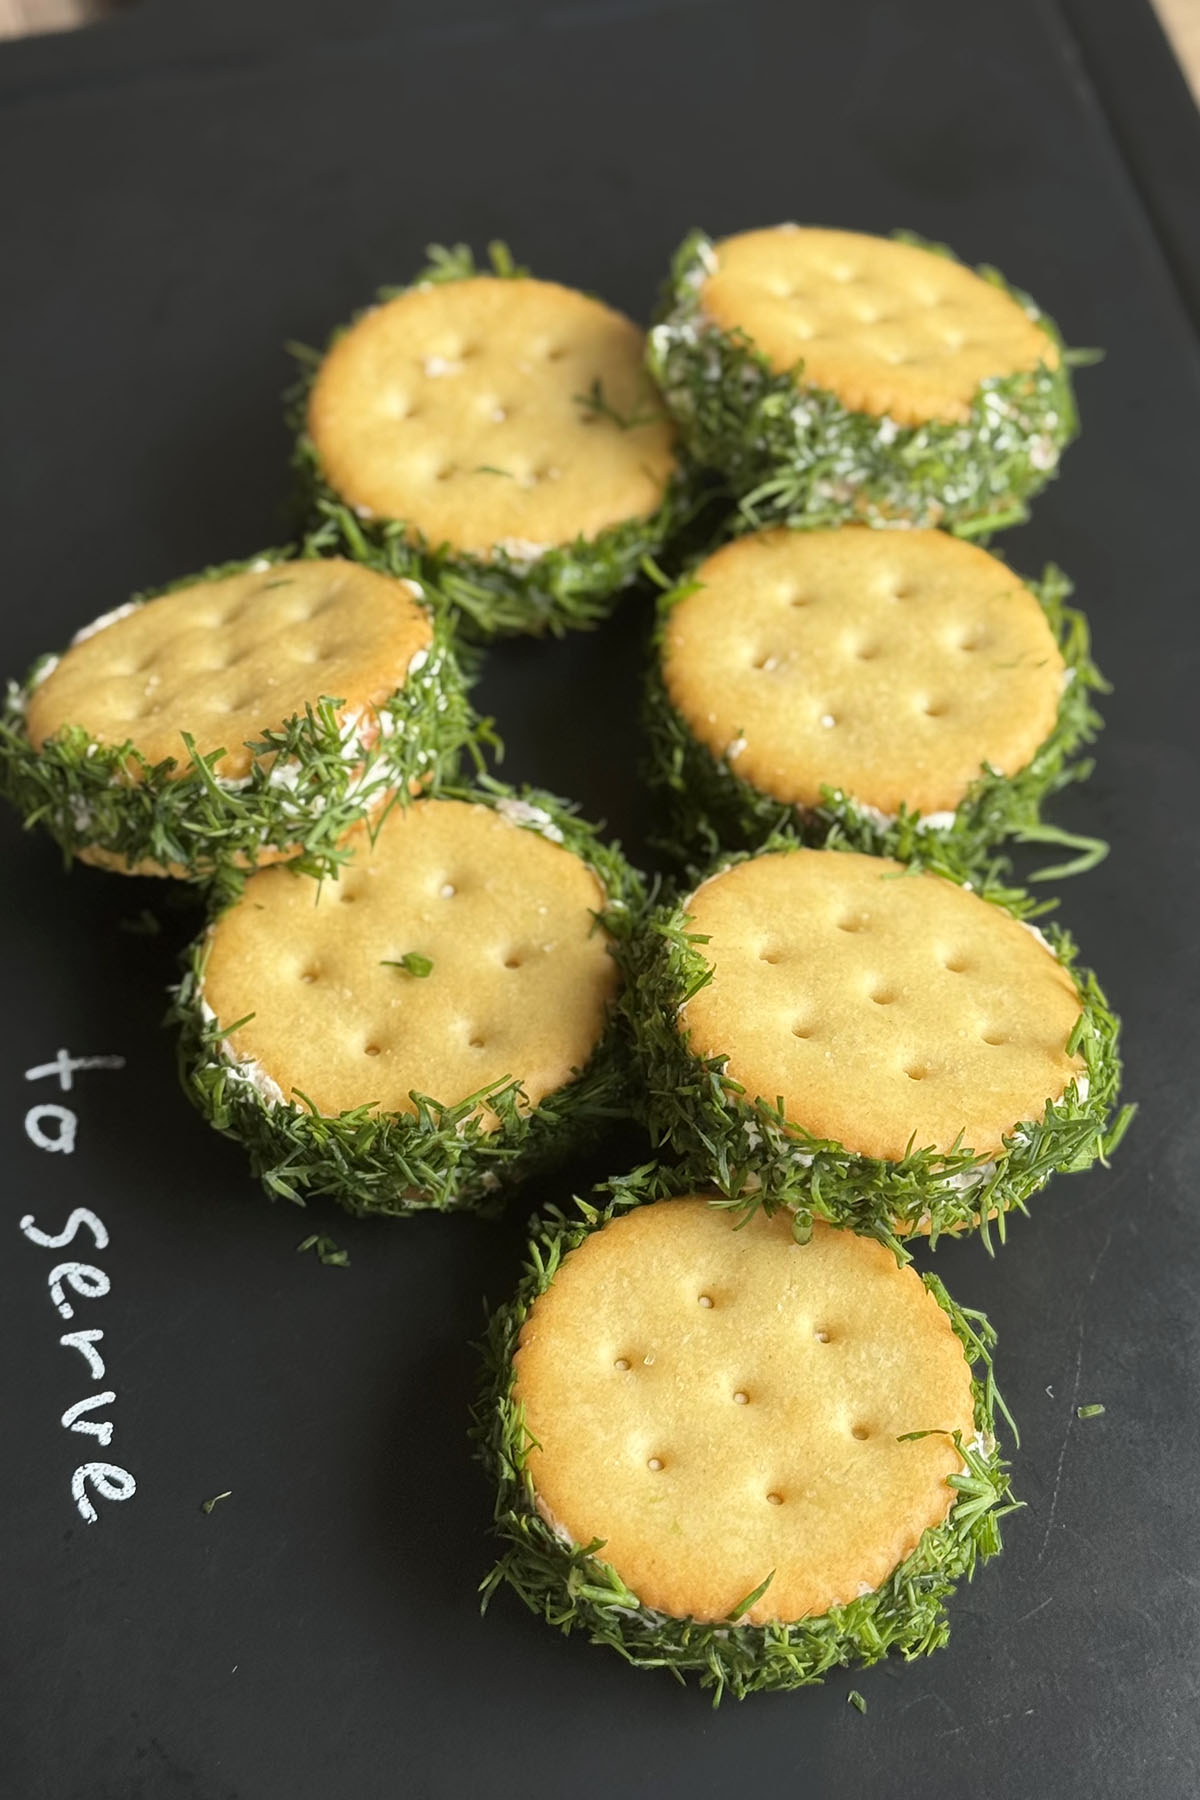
(756,1156)
(565,587)
(179,815)
(598,406)
(707,806)
(571,1587)
(792,451)
(440,1157)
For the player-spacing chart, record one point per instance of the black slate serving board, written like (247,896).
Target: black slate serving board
(185,188)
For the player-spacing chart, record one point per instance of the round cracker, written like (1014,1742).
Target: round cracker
(890,664)
(225,659)
(887,327)
(883,1007)
(519,987)
(463,408)
(716,1402)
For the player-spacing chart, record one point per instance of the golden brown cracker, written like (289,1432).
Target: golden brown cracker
(716,1402)
(519,987)
(225,659)
(463,408)
(884,1007)
(891,329)
(890,664)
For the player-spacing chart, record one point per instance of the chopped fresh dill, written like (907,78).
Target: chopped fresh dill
(1093,1411)
(855,1699)
(595,403)
(206,1506)
(328,1251)
(145,924)
(412,963)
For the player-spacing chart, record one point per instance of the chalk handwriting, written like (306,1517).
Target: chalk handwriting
(54,1128)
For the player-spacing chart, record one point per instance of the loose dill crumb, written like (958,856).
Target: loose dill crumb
(411,963)
(1093,1411)
(594,403)
(328,1251)
(144,925)
(206,1506)
(855,1699)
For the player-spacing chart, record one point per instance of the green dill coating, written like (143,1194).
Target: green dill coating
(440,1157)
(516,588)
(789,451)
(755,1155)
(301,791)
(705,806)
(571,1587)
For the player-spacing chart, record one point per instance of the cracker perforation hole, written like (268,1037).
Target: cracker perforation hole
(823,1334)
(706,1301)
(372,1049)
(308,976)
(774,1498)
(802,1030)
(935,709)
(882,996)
(741,1397)
(851,922)
(765,661)
(655,1464)
(866,652)
(955,962)
(623,1364)
(860,1433)
(770,956)
(916,1071)
(513,960)
(447,890)
(992,1036)
(476,1042)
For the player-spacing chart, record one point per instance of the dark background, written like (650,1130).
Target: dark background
(183,189)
